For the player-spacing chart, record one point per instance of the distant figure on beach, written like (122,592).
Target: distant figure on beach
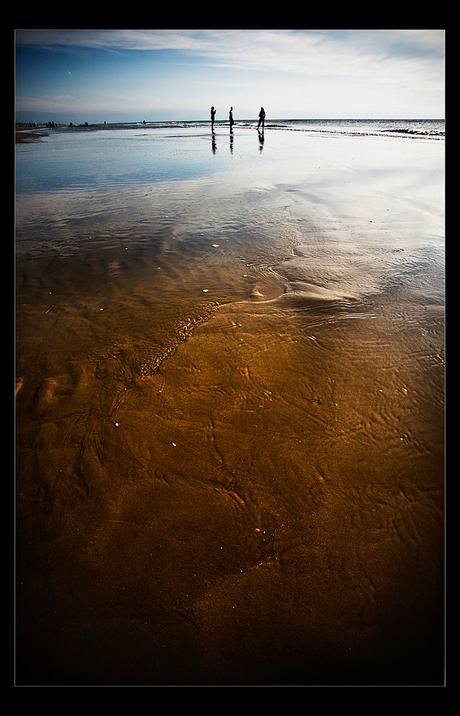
(213,114)
(261,118)
(230,117)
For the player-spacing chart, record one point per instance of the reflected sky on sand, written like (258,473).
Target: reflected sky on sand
(105,158)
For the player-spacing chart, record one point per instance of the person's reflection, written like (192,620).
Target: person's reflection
(261,140)
(213,142)
(231,142)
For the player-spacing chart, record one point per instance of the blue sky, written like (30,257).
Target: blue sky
(130,75)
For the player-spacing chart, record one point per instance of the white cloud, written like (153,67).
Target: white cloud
(393,55)
(375,72)
(312,51)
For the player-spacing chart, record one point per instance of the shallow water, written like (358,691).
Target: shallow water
(229,427)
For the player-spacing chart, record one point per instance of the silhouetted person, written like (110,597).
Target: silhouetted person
(261,118)
(213,114)
(230,117)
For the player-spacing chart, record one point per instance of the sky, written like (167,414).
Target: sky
(127,75)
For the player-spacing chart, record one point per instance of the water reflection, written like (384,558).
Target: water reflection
(214,143)
(261,139)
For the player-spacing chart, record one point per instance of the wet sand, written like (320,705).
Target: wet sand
(229,425)
(22,135)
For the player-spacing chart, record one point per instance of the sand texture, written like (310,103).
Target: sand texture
(229,422)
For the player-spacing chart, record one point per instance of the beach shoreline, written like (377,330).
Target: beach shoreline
(23,136)
(229,416)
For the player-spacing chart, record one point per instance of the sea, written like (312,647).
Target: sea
(432,128)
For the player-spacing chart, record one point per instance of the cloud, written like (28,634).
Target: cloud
(405,58)
(301,51)
(372,72)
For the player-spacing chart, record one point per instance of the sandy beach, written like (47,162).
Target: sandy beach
(22,135)
(229,409)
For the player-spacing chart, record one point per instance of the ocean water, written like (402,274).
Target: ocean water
(417,127)
(230,404)
(380,127)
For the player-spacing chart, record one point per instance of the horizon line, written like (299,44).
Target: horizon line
(248,119)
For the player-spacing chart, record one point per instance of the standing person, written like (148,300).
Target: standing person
(230,117)
(261,118)
(213,114)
